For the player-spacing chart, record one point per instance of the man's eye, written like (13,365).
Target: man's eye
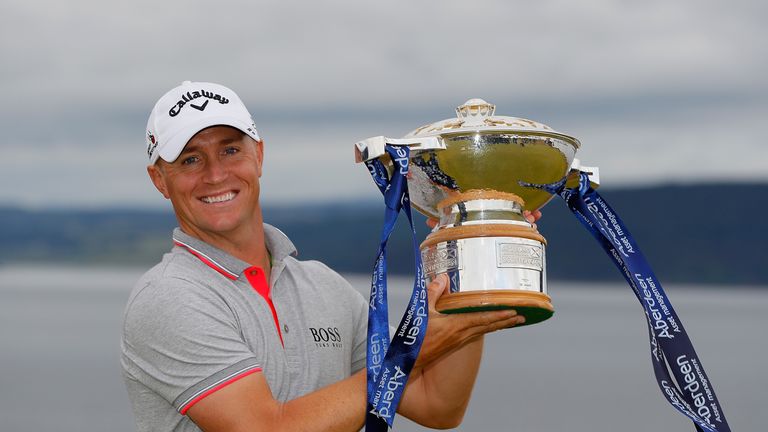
(189,160)
(231,150)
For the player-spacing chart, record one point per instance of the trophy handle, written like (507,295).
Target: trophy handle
(374,147)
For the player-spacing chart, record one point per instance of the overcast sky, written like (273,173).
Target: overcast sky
(657,91)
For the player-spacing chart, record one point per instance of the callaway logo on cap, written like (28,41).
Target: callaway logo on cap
(188,109)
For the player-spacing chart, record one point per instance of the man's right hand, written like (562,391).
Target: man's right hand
(447,332)
(439,388)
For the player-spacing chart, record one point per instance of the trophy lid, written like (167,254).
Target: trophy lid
(477,115)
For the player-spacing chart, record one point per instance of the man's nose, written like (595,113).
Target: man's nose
(215,171)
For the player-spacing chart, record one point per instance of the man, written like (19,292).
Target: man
(224,333)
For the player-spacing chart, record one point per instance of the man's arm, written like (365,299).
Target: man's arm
(438,390)
(248,405)
(440,386)
(436,395)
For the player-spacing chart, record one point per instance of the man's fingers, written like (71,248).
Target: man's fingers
(511,322)
(473,320)
(478,323)
(532,216)
(435,289)
(448,332)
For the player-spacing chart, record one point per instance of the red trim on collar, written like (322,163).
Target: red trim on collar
(258,281)
(255,276)
(206,260)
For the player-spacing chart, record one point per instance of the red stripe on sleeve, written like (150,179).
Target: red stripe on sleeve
(189,405)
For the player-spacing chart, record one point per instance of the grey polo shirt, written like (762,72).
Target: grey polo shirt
(202,319)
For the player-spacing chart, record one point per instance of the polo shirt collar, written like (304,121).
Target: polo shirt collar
(278,245)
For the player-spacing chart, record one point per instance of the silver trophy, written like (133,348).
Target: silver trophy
(468,173)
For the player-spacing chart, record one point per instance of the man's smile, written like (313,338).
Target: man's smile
(212,199)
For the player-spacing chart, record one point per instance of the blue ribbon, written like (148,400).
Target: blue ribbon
(389,364)
(690,392)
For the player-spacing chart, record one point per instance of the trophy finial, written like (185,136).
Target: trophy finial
(475,110)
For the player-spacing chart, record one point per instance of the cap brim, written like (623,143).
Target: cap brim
(172,149)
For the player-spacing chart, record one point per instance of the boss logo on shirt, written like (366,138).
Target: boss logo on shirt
(326,337)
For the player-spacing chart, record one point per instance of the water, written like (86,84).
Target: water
(588,368)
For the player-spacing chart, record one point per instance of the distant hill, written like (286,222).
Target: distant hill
(704,234)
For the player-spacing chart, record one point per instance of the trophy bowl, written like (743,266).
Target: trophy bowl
(468,173)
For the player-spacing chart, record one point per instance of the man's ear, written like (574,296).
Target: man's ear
(158,179)
(260,153)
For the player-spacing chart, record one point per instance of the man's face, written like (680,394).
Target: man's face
(214,183)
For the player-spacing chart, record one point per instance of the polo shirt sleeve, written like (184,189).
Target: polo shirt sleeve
(182,341)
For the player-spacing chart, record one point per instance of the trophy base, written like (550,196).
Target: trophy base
(534,306)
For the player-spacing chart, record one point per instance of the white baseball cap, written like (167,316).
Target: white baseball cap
(188,109)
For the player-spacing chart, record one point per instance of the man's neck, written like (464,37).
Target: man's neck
(247,244)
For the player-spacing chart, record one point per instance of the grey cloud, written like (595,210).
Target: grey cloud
(82,75)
